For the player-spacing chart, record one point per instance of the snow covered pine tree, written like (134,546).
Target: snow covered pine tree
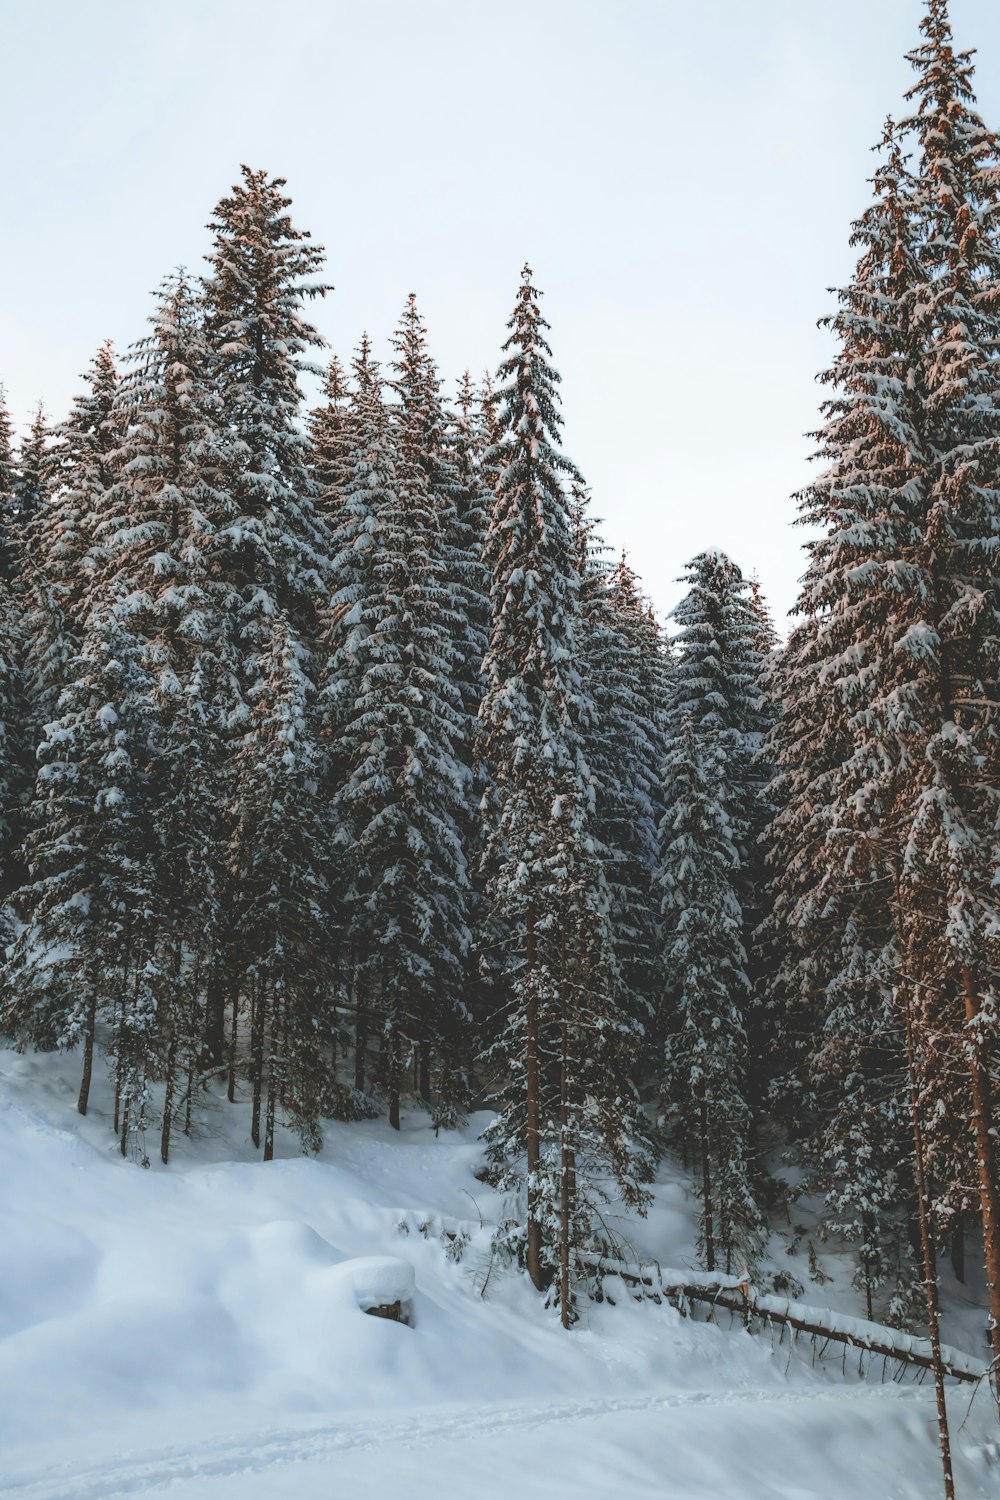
(564,1055)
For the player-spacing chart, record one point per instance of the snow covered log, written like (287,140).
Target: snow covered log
(381,1285)
(736,1295)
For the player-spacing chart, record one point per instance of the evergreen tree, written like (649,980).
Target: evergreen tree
(567,1108)
(157,540)
(281,931)
(832,920)
(271,554)
(8,481)
(397,727)
(947,650)
(12,747)
(331,440)
(56,551)
(73,964)
(705,973)
(622,667)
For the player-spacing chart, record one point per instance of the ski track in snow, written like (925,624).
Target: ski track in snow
(144,1474)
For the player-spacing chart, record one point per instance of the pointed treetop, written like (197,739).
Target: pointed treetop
(365,369)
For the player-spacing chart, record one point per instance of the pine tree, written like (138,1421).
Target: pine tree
(833,922)
(330,438)
(397,731)
(903,599)
(12,726)
(622,667)
(30,478)
(74,964)
(281,930)
(272,554)
(56,551)
(567,1108)
(157,539)
(705,973)
(716,691)
(716,679)
(949,649)
(8,482)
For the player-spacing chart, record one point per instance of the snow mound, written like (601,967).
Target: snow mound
(373,1281)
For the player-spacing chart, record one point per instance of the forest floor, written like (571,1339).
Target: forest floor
(193,1332)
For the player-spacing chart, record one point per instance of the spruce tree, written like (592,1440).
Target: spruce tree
(564,1050)
(30,477)
(157,539)
(8,481)
(705,974)
(271,554)
(398,734)
(79,960)
(330,444)
(57,557)
(947,652)
(281,933)
(621,663)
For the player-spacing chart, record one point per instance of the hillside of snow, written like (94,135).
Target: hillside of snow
(197,1331)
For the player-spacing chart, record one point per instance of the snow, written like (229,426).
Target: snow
(198,1331)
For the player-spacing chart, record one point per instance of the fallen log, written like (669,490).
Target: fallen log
(736,1295)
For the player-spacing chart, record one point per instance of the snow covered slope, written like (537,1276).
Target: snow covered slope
(196,1332)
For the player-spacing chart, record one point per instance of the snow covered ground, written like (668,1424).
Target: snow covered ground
(196,1332)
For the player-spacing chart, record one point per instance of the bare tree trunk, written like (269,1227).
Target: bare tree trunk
(533,1089)
(273,1083)
(565,1157)
(866,1229)
(256,1059)
(956,1249)
(188,1098)
(360,1028)
(706,1183)
(395,1069)
(88,1053)
(168,1101)
(927,1250)
(986,1161)
(233,1039)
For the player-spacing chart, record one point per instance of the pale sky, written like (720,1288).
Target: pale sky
(680,173)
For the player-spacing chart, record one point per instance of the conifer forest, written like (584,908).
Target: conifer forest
(347,771)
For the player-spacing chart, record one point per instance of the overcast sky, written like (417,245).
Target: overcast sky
(682,177)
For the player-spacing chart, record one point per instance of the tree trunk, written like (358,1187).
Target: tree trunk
(360,1030)
(256,1059)
(533,1088)
(269,1118)
(565,1167)
(233,1038)
(395,1069)
(168,1101)
(274,1069)
(956,1249)
(867,1229)
(986,1162)
(88,1054)
(424,1071)
(927,1251)
(706,1184)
